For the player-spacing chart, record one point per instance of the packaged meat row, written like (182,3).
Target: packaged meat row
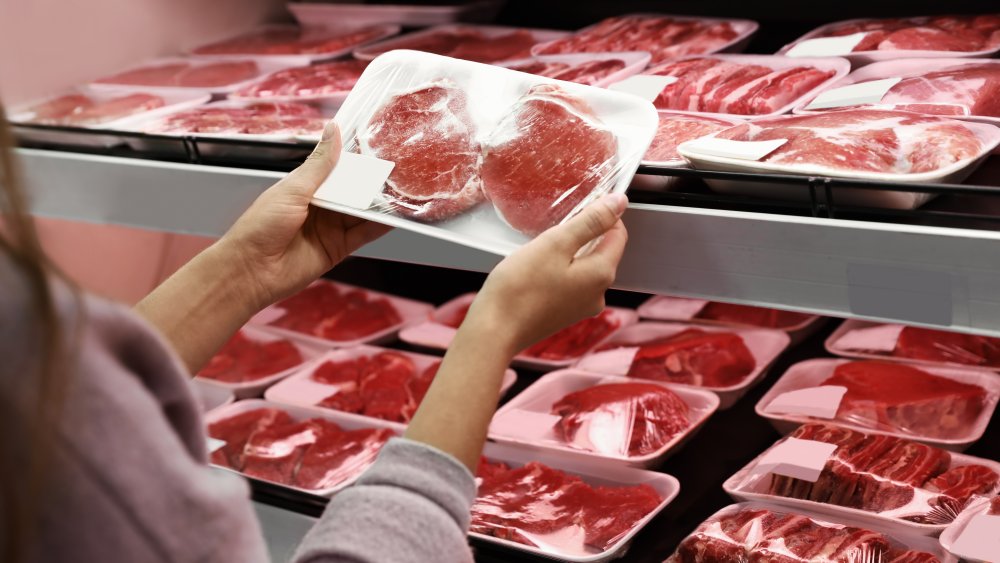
(863,339)
(328,83)
(85,107)
(253,360)
(682,309)
(598,69)
(219,77)
(296,45)
(479,43)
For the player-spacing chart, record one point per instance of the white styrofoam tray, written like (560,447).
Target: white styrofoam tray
(634,61)
(954,531)
(764,344)
(372,50)
(407,15)
(300,389)
(552,387)
(383,31)
(264,67)
(812,373)
(211,396)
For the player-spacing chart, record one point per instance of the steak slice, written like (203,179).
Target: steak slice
(695,357)
(338,456)
(947,347)
(962,483)
(237,429)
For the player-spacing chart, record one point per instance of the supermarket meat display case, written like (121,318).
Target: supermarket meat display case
(936,266)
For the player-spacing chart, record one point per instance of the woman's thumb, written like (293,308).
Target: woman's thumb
(318,165)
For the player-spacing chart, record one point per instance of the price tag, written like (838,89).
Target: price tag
(646,86)
(827,46)
(881,338)
(798,459)
(818,402)
(980,540)
(725,148)
(525,424)
(616,361)
(215,444)
(356,181)
(861,94)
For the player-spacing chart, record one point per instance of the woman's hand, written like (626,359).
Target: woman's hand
(282,243)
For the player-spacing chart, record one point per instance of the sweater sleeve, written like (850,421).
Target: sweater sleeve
(412,505)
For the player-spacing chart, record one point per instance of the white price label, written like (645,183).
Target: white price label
(798,459)
(827,46)
(646,86)
(861,94)
(356,181)
(215,444)
(980,540)
(818,402)
(725,148)
(525,424)
(881,338)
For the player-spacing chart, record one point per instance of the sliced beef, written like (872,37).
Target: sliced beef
(695,357)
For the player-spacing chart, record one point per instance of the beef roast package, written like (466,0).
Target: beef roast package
(594,416)
(365,381)
(911,344)
(683,309)
(871,478)
(480,43)
(754,531)
(480,155)
(948,408)
(973,535)
(296,45)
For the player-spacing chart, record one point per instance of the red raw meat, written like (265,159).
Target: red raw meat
(676,129)
(261,118)
(943,33)
(540,68)
(608,513)
(236,430)
(345,374)
(386,385)
(545,157)
(242,359)
(292,41)
(747,315)
(694,357)
(912,556)
(57,110)
(307,81)
(472,45)
(217,74)
(590,72)
(338,456)
(962,483)
(273,454)
(929,39)
(630,419)
(575,340)
(431,120)
(323,312)
(662,36)
(947,347)
(154,75)
(80,110)
(864,140)
(419,384)
(899,398)
(995,506)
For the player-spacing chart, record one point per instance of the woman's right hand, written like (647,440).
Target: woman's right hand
(547,284)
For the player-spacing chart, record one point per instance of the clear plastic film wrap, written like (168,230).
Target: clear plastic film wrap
(885,478)
(327,83)
(592,69)
(299,44)
(915,344)
(483,156)
(180,74)
(248,120)
(492,44)
(746,532)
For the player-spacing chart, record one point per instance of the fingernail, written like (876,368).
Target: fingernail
(616,202)
(329,131)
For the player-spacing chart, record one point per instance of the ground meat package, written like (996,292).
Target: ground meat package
(872,479)
(574,510)
(866,41)
(592,416)
(947,408)
(859,144)
(253,360)
(365,381)
(296,45)
(958,88)
(557,351)
(480,43)
(592,69)
(754,531)
(726,361)
(973,535)
(924,346)
(663,37)
(309,450)
(325,83)
(182,74)
(683,309)
(407,15)
(337,315)
(480,155)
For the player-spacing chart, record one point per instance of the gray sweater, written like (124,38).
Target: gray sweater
(130,479)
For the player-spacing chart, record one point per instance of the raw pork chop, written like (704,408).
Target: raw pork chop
(694,357)
(546,157)
(947,347)
(674,129)
(258,119)
(243,359)
(307,81)
(429,134)
(622,419)
(899,398)
(942,33)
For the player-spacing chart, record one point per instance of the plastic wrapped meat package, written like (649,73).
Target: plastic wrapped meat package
(406,15)
(763,532)
(947,408)
(664,37)
(858,144)
(674,128)
(964,539)
(296,45)
(173,74)
(332,314)
(875,479)
(725,361)
(683,309)
(548,505)
(865,41)
(591,69)
(480,43)
(959,88)
(869,340)
(482,156)
(303,449)
(326,83)
(557,351)
(365,381)
(598,417)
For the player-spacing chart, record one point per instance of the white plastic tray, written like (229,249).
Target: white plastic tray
(812,373)
(764,344)
(370,51)
(301,390)
(954,531)
(552,387)
(384,31)
(264,67)
(434,335)
(211,396)
(407,15)
(634,61)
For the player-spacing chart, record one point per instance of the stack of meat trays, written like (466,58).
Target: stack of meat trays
(725,361)
(365,381)
(972,536)
(424,14)
(683,309)
(916,345)
(480,43)
(557,351)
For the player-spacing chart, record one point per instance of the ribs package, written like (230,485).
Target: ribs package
(557,351)
(325,83)
(948,408)
(546,504)
(254,359)
(479,43)
(173,74)
(911,344)
(683,309)
(311,451)
(973,535)
(480,155)
(959,88)
(296,45)
(725,361)
(365,381)
(663,37)
(597,69)
(870,478)
(755,531)
(332,314)
(855,144)
(866,41)
(591,416)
